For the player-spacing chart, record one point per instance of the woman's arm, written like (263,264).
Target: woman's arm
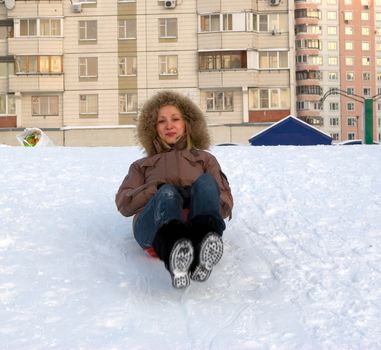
(134,193)
(214,168)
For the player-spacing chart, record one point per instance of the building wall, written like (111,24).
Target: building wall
(190,42)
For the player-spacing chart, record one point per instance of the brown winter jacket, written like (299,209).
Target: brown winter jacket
(178,165)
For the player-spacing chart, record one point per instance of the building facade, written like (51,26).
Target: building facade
(94,63)
(338,50)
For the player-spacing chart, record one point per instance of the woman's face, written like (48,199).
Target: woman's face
(170,125)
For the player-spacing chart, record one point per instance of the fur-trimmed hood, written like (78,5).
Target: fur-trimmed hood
(194,118)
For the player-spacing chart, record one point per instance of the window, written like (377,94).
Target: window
(332,30)
(167,27)
(308,105)
(365,16)
(44,105)
(349,45)
(378,46)
(335,136)
(219,100)
(332,61)
(127,66)
(318,121)
(350,90)
(272,98)
(227,22)
(270,22)
(127,29)
(40,26)
(366,76)
(44,64)
(334,106)
(28,27)
(310,28)
(350,76)
(378,62)
(365,46)
(310,59)
(273,59)
(334,121)
(348,16)
(331,15)
(38,64)
(309,74)
(378,16)
(6,69)
(366,92)
(350,106)
(365,61)
(7,104)
(222,60)
(88,30)
(348,30)
(168,65)
(88,67)
(308,44)
(351,136)
(332,76)
(128,103)
(210,23)
(365,30)
(378,76)
(307,13)
(309,90)
(6,32)
(349,61)
(50,27)
(88,104)
(332,45)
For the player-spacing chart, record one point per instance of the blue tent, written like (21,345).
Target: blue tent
(290,131)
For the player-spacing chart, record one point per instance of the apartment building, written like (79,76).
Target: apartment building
(93,63)
(338,57)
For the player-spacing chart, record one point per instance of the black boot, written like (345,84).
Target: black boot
(176,251)
(208,244)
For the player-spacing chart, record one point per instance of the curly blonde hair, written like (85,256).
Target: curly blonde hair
(196,127)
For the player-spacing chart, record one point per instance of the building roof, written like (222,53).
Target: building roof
(290,131)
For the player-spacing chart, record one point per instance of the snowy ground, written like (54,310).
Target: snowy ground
(301,269)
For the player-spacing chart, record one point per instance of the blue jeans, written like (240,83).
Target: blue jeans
(167,205)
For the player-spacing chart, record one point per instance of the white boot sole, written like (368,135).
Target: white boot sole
(212,248)
(179,262)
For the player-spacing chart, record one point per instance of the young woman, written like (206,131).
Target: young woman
(178,194)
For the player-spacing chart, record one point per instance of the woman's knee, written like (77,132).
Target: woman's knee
(168,192)
(207,182)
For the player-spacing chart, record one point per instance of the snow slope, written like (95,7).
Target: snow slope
(301,269)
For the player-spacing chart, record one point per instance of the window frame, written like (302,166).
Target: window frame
(39,101)
(216,98)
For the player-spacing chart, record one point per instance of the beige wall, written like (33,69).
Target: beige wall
(117,137)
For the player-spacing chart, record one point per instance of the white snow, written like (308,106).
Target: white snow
(301,268)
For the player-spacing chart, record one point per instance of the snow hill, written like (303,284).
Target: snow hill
(301,268)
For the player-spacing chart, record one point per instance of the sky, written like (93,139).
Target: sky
(301,267)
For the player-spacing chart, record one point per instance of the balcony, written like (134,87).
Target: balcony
(36,82)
